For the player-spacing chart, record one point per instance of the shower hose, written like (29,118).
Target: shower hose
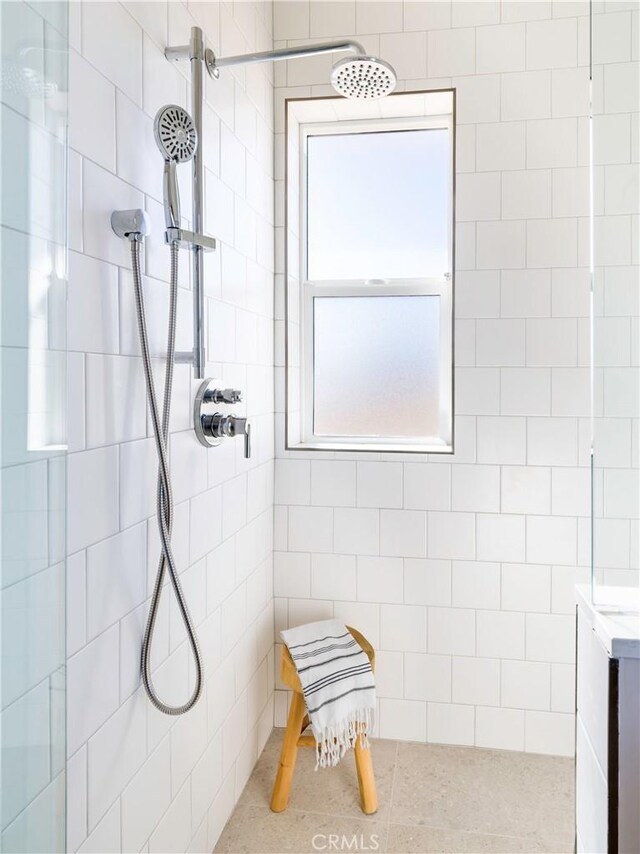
(164,502)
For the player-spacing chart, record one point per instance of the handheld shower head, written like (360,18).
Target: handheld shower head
(363,78)
(177,139)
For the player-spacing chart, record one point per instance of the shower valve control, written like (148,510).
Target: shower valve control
(223,395)
(212,427)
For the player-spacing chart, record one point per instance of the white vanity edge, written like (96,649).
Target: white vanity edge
(618,632)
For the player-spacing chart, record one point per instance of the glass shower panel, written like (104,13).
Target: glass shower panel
(33,151)
(615,72)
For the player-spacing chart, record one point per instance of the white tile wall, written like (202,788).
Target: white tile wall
(139,780)
(455,556)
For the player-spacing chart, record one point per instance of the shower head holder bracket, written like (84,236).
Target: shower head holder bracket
(189,239)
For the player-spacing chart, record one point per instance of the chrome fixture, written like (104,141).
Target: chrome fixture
(177,139)
(131,225)
(212,427)
(363,78)
(379,79)
(124,224)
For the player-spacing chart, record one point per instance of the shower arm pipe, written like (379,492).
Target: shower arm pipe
(214,63)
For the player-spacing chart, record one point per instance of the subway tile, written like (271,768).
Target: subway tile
(451,52)
(379,484)
(501,145)
(293,482)
(550,637)
(525,391)
(390,674)
(403,628)
(478,196)
(549,732)
(333,577)
(380,579)
(92,305)
(552,143)
(403,533)
(526,489)
(146,798)
(502,244)
(356,531)
(92,687)
(477,102)
(427,582)
(526,587)
(475,488)
(477,293)
(526,685)
(477,391)
(552,44)
(112,41)
(92,113)
(467,13)
(500,634)
(526,194)
(452,536)
(500,48)
(115,400)
(427,487)
(427,677)
(526,95)
(333,19)
(500,343)
(115,753)
(502,440)
(405,720)
(407,53)
(476,681)
(116,578)
(552,342)
(552,441)
(500,537)
(475,584)
(451,631)
(311,529)
(502,729)
(450,723)
(292,575)
(333,483)
(92,498)
(551,539)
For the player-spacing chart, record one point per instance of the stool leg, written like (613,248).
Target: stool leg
(366,780)
(282,786)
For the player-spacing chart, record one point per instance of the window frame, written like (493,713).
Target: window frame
(423,286)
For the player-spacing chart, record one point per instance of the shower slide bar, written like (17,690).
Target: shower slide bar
(200,58)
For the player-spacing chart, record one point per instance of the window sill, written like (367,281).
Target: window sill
(432,447)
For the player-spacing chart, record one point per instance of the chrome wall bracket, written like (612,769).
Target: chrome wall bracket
(212,427)
(189,239)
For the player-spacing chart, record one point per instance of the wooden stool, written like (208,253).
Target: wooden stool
(298,721)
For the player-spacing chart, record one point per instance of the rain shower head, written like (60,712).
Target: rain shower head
(175,134)
(363,78)
(359,77)
(177,140)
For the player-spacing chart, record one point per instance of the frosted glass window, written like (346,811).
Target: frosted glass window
(376,366)
(378,205)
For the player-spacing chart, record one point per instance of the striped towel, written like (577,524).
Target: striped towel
(337,684)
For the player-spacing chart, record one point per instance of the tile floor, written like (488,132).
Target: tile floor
(432,798)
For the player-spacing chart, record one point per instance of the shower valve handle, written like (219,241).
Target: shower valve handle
(219,426)
(223,395)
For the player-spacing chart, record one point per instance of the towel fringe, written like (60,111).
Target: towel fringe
(333,742)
